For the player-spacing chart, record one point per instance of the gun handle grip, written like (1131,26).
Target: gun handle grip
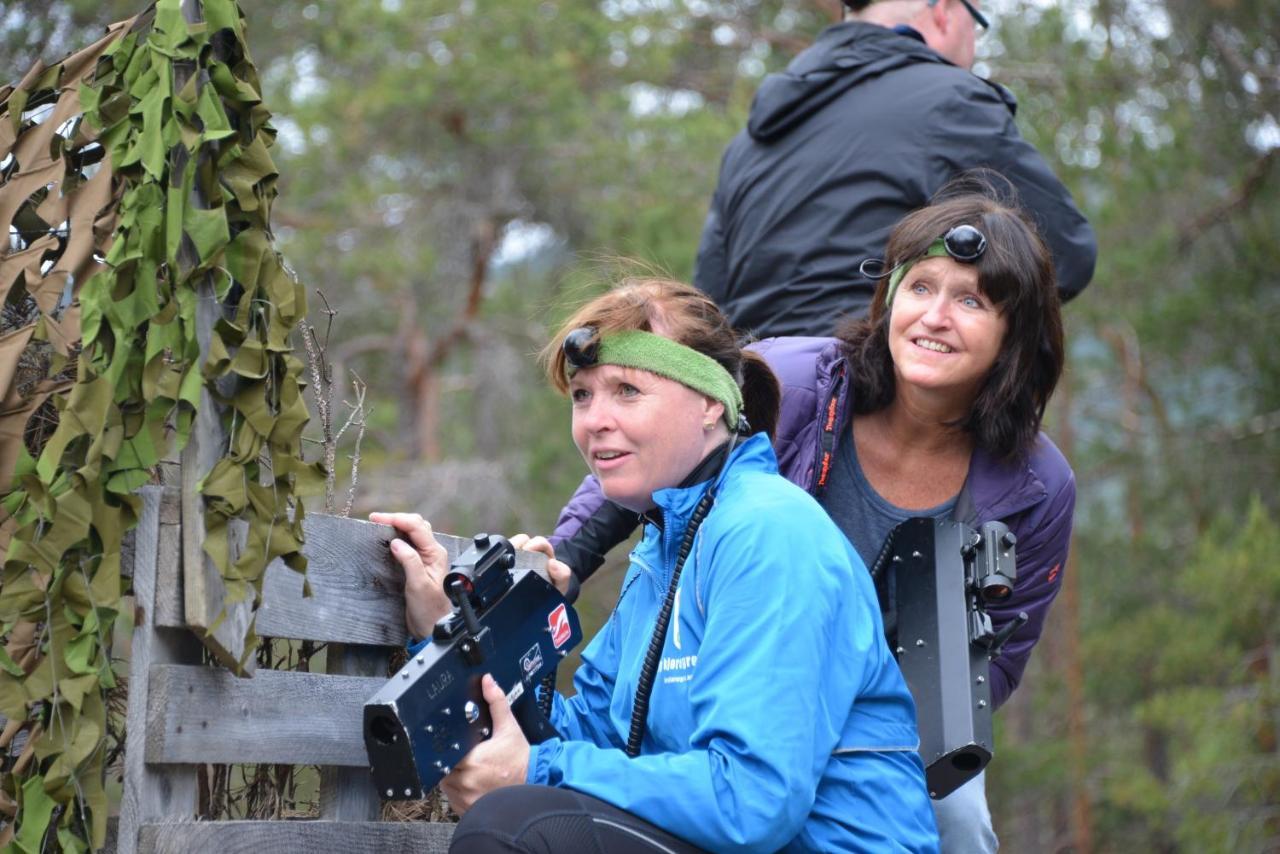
(533,723)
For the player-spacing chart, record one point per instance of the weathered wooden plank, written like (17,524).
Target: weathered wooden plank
(345,793)
(357,588)
(170,612)
(314,837)
(111,845)
(356,585)
(203,589)
(207,714)
(152,792)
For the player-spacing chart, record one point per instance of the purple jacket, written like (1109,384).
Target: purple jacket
(1034,497)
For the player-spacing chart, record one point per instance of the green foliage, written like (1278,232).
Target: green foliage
(1152,114)
(1209,693)
(175,104)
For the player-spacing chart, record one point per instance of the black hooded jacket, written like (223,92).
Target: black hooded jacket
(862,128)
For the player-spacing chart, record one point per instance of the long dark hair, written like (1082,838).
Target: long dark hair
(1016,273)
(691,319)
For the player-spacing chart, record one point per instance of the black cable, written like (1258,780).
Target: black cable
(649,670)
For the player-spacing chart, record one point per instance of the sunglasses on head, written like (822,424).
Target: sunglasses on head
(581,347)
(964,243)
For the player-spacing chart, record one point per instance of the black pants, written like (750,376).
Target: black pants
(543,820)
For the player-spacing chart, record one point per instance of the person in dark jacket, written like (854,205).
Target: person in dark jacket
(931,406)
(863,127)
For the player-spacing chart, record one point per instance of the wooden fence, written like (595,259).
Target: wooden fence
(182,714)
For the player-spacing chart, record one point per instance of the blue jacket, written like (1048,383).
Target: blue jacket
(778,719)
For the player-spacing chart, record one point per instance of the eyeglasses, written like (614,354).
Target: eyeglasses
(978,18)
(964,243)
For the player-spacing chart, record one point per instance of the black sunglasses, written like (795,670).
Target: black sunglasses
(581,347)
(964,243)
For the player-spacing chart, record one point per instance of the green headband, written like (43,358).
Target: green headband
(937,249)
(670,359)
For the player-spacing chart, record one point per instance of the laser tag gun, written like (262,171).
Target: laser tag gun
(936,578)
(511,623)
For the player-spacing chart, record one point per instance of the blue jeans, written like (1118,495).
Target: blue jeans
(964,822)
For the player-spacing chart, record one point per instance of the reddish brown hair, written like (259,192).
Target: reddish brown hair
(687,316)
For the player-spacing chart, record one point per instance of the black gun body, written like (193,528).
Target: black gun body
(948,673)
(432,713)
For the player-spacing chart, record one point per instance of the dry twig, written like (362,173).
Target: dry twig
(358,418)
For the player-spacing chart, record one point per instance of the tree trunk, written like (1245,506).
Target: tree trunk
(423,358)
(1081,819)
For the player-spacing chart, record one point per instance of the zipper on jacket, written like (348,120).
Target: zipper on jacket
(829,436)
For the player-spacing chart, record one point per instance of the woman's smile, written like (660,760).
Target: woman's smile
(933,345)
(944,333)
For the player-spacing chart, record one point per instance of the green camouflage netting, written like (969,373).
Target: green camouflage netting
(132,175)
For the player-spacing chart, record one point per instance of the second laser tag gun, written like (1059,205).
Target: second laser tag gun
(936,578)
(511,623)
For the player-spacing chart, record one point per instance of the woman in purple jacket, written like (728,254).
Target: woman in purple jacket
(930,406)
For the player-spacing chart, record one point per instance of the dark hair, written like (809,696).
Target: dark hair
(690,318)
(1016,273)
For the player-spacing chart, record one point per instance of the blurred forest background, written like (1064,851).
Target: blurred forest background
(455,172)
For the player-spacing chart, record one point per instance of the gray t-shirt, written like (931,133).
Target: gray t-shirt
(859,511)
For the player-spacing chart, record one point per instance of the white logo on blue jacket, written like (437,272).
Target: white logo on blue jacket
(678,667)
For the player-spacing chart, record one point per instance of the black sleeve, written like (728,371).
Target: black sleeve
(584,551)
(711,269)
(977,129)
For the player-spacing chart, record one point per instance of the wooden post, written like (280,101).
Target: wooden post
(153,792)
(204,591)
(347,794)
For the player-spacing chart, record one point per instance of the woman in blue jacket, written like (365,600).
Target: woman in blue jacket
(772,715)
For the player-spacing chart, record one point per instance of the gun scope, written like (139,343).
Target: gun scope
(996,570)
(471,574)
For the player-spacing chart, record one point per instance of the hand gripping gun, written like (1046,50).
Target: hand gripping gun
(511,623)
(936,578)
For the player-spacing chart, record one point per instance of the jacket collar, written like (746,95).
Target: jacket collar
(843,56)
(910,32)
(754,453)
(829,366)
(703,471)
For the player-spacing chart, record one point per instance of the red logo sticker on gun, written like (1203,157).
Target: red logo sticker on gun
(558,620)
